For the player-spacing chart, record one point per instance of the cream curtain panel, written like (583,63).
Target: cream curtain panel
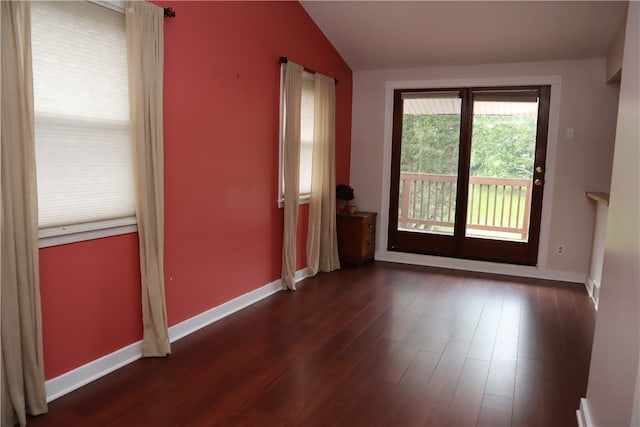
(322,243)
(145,46)
(291,169)
(23,388)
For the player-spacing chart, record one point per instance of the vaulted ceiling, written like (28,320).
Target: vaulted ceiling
(403,34)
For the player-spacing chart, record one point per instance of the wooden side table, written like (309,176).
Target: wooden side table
(356,236)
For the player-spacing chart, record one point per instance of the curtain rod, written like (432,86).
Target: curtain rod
(169,12)
(284,60)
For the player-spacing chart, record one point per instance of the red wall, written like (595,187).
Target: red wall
(223,229)
(91,300)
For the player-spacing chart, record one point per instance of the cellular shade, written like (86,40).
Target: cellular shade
(306,134)
(81,103)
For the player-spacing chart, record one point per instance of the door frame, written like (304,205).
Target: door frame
(383,254)
(460,245)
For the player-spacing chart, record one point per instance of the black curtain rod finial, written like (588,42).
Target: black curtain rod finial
(169,12)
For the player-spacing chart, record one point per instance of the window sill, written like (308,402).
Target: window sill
(303,200)
(55,236)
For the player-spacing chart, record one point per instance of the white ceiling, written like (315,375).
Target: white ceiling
(403,34)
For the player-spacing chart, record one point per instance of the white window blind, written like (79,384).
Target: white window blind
(307,107)
(307,117)
(81,102)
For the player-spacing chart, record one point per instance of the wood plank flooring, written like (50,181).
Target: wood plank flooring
(381,345)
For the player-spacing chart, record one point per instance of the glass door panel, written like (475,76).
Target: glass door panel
(429,155)
(503,149)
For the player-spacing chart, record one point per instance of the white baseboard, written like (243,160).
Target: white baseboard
(208,317)
(583,414)
(480,266)
(593,289)
(69,381)
(72,380)
(589,285)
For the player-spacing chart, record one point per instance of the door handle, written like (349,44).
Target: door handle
(539,169)
(537,182)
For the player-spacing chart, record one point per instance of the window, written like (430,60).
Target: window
(306,136)
(81,102)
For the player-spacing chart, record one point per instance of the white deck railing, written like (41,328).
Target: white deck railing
(427,201)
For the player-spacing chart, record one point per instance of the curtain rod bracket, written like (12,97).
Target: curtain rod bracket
(169,12)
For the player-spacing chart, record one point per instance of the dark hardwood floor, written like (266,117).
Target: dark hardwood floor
(384,344)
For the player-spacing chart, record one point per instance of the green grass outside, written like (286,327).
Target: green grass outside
(478,211)
(495,197)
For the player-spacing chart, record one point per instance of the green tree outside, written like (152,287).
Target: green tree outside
(502,146)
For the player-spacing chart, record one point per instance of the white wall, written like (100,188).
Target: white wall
(635,416)
(581,99)
(614,56)
(615,358)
